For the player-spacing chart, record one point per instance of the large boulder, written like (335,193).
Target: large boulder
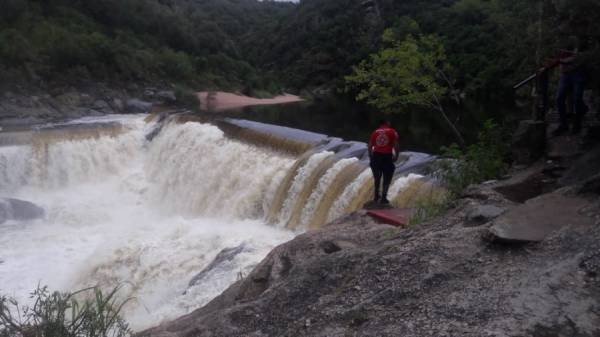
(15,209)
(138,106)
(167,96)
(529,141)
(480,214)
(103,106)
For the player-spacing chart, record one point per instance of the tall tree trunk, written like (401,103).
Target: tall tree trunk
(457,134)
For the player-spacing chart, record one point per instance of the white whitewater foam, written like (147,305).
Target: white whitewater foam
(15,168)
(322,186)
(339,206)
(401,183)
(196,170)
(150,215)
(303,174)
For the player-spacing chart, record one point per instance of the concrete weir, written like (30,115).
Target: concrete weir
(330,176)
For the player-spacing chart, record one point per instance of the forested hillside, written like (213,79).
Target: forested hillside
(249,45)
(490,43)
(195,42)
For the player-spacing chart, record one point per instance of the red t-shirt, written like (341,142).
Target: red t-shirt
(383,140)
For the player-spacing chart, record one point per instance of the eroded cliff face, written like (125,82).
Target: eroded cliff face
(356,277)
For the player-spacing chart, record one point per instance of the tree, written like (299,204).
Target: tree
(407,73)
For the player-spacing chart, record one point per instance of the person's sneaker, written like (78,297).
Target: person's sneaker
(376,198)
(384,201)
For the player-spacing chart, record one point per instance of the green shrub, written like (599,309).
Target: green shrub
(187,98)
(484,160)
(84,313)
(14,48)
(428,208)
(177,65)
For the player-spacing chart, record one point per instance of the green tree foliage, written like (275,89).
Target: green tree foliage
(484,160)
(412,72)
(195,43)
(252,45)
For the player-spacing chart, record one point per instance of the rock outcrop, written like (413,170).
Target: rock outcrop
(224,257)
(359,278)
(15,209)
(138,106)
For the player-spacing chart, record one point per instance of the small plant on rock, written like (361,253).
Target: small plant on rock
(85,313)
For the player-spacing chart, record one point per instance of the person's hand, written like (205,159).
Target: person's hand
(395,158)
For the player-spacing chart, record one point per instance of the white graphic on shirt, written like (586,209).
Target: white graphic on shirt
(382,139)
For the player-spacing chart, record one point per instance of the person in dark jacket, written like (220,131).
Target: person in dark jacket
(572,81)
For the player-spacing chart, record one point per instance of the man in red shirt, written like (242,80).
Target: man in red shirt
(383,152)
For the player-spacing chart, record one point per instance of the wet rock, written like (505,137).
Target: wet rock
(480,214)
(224,256)
(158,126)
(15,209)
(529,142)
(117,105)
(166,96)
(100,105)
(138,106)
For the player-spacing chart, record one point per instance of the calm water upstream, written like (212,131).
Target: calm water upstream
(423,131)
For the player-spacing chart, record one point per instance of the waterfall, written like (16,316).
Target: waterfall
(153,212)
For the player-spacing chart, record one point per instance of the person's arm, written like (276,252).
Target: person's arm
(370,147)
(396,148)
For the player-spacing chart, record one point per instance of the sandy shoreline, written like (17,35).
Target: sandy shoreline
(219,101)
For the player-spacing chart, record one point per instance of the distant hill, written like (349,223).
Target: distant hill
(190,41)
(256,46)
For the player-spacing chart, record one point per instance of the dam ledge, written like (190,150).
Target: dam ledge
(128,182)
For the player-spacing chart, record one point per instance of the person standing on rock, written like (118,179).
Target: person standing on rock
(383,153)
(571,62)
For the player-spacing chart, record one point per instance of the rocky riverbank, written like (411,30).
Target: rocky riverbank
(500,263)
(20,105)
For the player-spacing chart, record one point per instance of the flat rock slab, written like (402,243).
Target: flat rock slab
(392,216)
(538,218)
(480,214)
